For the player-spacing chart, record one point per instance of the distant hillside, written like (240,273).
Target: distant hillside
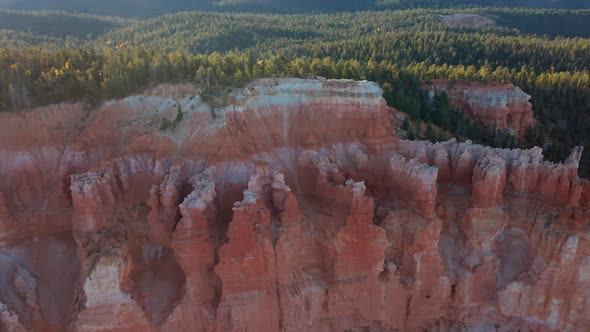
(207,32)
(557,4)
(125,8)
(147,8)
(52,28)
(553,23)
(204,32)
(58,24)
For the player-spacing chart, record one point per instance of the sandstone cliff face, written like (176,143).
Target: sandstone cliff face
(502,107)
(292,207)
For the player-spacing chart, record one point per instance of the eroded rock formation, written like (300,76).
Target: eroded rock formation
(496,106)
(292,207)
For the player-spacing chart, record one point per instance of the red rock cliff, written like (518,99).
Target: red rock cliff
(497,106)
(293,207)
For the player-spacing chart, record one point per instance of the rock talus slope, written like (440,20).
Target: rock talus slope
(289,206)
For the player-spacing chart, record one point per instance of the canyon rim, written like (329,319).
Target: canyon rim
(287,205)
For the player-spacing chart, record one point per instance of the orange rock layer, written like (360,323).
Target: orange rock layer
(293,207)
(503,107)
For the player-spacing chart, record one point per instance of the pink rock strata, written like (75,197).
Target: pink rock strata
(292,208)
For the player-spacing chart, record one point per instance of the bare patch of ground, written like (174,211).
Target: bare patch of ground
(467,20)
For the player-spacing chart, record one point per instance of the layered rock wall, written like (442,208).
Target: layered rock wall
(292,207)
(503,107)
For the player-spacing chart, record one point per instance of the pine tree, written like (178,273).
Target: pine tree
(406,123)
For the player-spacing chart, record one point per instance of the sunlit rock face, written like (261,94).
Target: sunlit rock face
(288,205)
(495,106)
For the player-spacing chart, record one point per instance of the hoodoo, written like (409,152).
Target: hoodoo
(288,205)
